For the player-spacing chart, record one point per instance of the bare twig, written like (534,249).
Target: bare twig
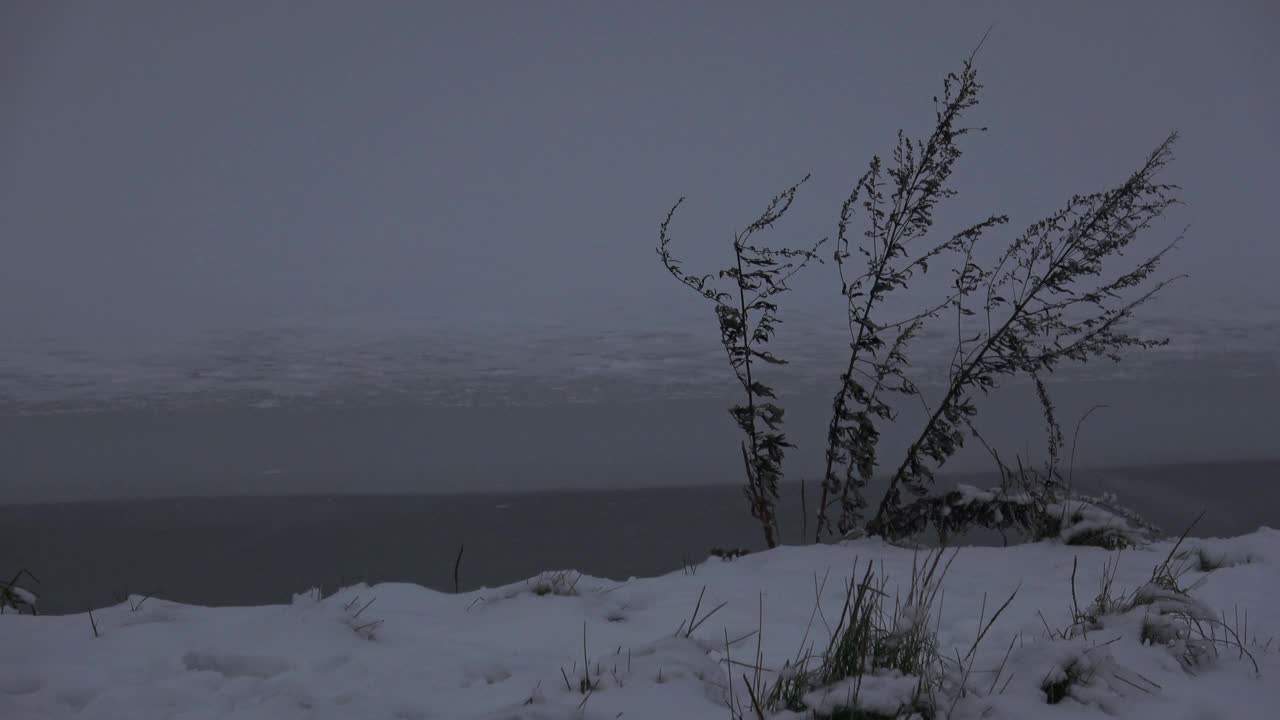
(457,564)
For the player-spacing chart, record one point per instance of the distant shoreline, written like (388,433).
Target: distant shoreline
(258,549)
(945,478)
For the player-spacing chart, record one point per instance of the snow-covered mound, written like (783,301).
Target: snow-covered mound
(567,646)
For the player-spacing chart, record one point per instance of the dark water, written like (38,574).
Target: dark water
(255,550)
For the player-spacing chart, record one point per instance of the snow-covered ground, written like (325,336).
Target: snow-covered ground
(402,651)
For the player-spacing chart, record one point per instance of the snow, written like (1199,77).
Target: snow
(565,645)
(880,694)
(23,598)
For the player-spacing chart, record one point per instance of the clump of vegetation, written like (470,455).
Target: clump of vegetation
(1160,612)
(882,659)
(1056,294)
(17,598)
(687,627)
(1060,680)
(1206,559)
(561,582)
(1170,616)
(728,554)
(586,683)
(366,628)
(879,662)
(1099,522)
(1106,603)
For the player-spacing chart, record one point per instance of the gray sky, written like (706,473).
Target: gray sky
(170,167)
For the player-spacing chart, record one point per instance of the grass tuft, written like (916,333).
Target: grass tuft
(563,583)
(882,658)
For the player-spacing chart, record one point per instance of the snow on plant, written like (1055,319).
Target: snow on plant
(352,612)
(1159,613)
(1191,630)
(1206,557)
(15,597)
(560,582)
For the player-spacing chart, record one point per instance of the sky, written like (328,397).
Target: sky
(170,167)
(174,170)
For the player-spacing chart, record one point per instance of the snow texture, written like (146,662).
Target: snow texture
(565,645)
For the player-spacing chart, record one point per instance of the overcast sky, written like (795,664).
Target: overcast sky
(171,167)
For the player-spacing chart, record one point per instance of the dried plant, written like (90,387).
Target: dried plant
(1045,301)
(13,595)
(1052,296)
(898,224)
(747,315)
